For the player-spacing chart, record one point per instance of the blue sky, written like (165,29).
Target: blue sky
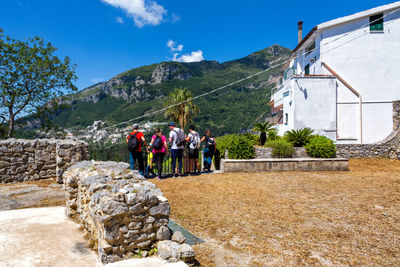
(107,37)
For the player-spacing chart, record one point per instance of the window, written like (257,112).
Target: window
(307,69)
(286,118)
(289,72)
(310,48)
(376,23)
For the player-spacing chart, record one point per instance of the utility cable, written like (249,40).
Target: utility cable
(258,73)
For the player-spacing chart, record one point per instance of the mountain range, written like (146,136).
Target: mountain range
(142,90)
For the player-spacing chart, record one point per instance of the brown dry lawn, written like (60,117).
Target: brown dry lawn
(293,218)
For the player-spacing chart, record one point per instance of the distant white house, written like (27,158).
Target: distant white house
(343,77)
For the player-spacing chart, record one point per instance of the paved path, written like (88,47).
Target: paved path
(46,237)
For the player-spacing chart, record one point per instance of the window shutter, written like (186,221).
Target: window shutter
(307,69)
(376,23)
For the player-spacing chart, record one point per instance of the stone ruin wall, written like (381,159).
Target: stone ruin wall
(26,160)
(388,148)
(120,211)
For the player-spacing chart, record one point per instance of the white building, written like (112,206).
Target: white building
(343,77)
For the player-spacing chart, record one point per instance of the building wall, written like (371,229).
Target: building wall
(314,104)
(377,121)
(369,63)
(388,148)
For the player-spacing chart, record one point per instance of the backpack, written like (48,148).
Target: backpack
(157,143)
(180,139)
(210,142)
(133,143)
(196,140)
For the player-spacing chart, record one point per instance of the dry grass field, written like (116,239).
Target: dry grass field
(279,219)
(293,218)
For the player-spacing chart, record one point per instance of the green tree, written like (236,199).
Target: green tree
(263,128)
(183,110)
(30,76)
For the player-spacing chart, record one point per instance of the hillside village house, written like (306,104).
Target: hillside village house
(343,77)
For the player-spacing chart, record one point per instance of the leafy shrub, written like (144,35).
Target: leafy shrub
(321,147)
(241,147)
(251,137)
(273,135)
(224,142)
(281,148)
(299,137)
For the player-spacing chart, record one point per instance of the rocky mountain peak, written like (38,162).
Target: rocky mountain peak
(167,71)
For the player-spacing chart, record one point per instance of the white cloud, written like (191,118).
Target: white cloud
(119,20)
(195,56)
(143,12)
(173,46)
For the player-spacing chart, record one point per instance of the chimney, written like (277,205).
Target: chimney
(300,30)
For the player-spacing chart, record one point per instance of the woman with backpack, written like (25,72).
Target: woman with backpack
(160,148)
(209,149)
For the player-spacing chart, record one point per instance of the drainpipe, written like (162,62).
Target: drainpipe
(300,30)
(361,126)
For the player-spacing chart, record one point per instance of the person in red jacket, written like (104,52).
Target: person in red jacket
(138,154)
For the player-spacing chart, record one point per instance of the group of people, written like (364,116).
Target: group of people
(160,146)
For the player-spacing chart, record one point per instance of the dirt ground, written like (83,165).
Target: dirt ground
(293,218)
(41,193)
(288,218)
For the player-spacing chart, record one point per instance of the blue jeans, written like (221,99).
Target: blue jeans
(137,156)
(177,153)
(208,155)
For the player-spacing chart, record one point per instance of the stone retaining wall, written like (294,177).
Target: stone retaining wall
(266,153)
(25,160)
(388,148)
(120,211)
(287,164)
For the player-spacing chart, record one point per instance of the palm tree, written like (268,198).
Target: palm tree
(263,128)
(184,109)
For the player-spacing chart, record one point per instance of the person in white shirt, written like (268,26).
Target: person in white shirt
(176,138)
(193,140)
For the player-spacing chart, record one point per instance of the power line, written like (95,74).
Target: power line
(196,97)
(260,72)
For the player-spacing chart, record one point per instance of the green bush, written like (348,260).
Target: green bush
(299,137)
(281,148)
(224,142)
(251,137)
(321,147)
(273,135)
(241,147)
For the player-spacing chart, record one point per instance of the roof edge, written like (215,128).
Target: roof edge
(349,18)
(306,38)
(359,15)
